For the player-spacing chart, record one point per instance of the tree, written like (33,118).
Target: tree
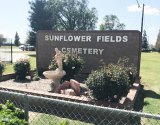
(2,39)
(157,46)
(40,19)
(72,15)
(16,40)
(111,22)
(31,38)
(145,45)
(60,15)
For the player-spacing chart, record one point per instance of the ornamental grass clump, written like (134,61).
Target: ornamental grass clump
(72,65)
(110,83)
(21,68)
(2,67)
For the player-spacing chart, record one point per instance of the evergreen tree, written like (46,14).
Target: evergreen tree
(16,40)
(145,45)
(158,42)
(40,19)
(31,38)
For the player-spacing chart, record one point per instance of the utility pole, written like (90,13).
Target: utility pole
(11,53)
(142,16)
(142,20)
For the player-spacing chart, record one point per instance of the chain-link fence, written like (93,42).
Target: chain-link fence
(45,110)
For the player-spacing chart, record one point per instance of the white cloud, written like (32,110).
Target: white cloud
(148,10)
(153,28)
(134,8)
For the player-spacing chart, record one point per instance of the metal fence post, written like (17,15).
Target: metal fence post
(26,107)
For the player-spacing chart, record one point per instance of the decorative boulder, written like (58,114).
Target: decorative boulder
(68,92)
(64,85)
(67,86)
(75,85)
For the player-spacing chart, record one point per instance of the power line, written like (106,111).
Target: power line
(138,4)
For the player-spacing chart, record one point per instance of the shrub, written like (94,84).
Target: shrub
(10,115)
(40,72)
(64,122)
(1,67)
(132,73)
(35,76)
(130,69)
(72,64)
(110,82)
(21,68)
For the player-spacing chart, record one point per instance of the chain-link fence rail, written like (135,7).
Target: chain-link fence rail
(41,110)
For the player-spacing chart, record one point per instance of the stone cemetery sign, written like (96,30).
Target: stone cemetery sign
(92,46)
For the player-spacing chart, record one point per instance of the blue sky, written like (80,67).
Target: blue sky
(14,16)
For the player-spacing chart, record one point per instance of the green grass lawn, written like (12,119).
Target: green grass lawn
(150,73)
(45,119)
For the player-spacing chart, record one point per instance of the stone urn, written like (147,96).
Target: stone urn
(55,76)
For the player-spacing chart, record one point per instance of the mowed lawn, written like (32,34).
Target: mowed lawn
(150,73)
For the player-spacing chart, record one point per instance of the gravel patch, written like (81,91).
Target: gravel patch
(42,84)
